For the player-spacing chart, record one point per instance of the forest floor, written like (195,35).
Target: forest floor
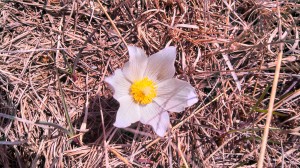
(57,111)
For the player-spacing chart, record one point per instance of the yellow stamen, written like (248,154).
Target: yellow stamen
(143,91)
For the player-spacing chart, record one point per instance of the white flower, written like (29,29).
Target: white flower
(146,90)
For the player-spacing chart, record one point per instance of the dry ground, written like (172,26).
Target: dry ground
(55,54)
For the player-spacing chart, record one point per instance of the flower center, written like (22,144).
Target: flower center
(143,91)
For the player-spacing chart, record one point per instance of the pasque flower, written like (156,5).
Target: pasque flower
(147,91)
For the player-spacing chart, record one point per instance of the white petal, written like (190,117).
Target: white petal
(161,65)
(119,84)
(152,114)
(135,67)
(192,98)
(128,112)
(175,95)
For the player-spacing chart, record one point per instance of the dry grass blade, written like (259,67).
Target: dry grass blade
(112,22)
(86,112)
(287,98)
(233,74)
(120,157)
(12,143)
(41,124)
(272,99)
(57,111)
(65,108)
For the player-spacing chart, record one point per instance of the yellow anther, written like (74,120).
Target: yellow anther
(143,91)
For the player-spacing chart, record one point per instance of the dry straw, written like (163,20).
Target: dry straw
(54,56)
